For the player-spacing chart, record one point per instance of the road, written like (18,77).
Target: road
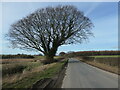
(81,75)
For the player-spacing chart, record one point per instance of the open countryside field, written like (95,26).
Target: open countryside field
(105,56)
(17,60)
(23,72)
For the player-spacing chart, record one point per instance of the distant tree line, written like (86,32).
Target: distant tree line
(92,53)
(17,56)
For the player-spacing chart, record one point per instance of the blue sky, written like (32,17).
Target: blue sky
(104,16)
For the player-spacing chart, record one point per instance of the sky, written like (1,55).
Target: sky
(104,16)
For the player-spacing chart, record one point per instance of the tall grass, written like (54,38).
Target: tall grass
(26,80)
(12,61)
(23,73)
(10,69)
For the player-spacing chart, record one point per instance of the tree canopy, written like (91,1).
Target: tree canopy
(48,28)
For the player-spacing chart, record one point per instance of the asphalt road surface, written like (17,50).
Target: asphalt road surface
(81,75)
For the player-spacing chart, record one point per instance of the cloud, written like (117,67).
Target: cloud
(92,8)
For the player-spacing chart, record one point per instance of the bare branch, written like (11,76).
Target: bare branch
(48,28)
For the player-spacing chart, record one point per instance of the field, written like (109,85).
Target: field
(105,56)
(23,73)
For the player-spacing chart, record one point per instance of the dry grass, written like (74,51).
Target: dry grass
(37,58)
(104,67)
(6,61)
(113,69)
(20,76)
(13,68)
(0,66)
(32,67)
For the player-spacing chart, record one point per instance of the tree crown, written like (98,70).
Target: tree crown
(48,28)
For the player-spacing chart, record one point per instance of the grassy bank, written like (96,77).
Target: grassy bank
(104,67)
(10,69)
(27,79)
(108,63)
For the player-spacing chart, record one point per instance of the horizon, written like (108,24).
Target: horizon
(104,16)
(62,51)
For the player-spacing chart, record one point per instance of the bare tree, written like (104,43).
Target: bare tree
(48,28)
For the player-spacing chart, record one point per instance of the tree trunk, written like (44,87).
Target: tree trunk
(49,57)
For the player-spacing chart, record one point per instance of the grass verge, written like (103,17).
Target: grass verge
(28,81)
(112,69)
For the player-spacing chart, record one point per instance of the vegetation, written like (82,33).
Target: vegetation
(93,53)
(62,53)
(11,61)
(10,69)
(17,56)
(105,56)
(29,78)
(23,73)
(105,62)
(111,61)
(48,28)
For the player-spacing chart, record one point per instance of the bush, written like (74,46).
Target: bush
(12,70)
(86,58)
(62,53)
